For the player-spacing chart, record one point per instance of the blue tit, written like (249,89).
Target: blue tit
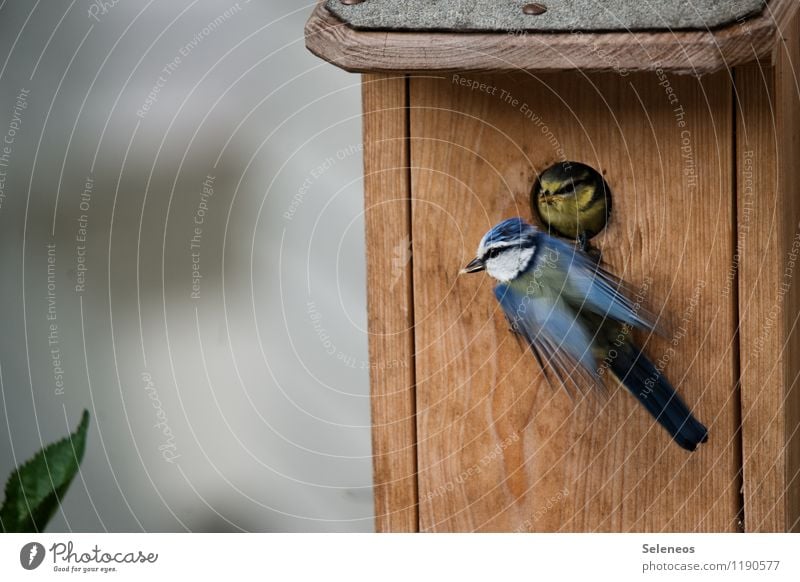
(572,200)
(577,319)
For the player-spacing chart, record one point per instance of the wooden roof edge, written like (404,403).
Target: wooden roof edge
(683,52)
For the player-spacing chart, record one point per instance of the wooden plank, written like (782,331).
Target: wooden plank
(687,52)
(758,245)
(498,448)
(390,310)
(768,147)
(787,67)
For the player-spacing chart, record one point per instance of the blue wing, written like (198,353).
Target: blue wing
(567,283)
(591,287)
(554,333)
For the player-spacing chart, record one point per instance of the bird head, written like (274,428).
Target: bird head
(505,251)
(565,180)
(572,200)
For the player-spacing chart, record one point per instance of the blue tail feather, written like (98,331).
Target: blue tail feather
(652,389)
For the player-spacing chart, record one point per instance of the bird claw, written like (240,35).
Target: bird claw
(586,247)
(583,242)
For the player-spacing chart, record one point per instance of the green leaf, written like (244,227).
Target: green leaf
(35,489)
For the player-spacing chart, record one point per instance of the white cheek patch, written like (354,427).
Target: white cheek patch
(507,265)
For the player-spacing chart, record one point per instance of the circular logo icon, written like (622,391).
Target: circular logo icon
(31,555)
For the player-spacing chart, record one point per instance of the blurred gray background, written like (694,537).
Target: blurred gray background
(197,177)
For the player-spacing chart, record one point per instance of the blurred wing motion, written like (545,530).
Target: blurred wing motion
(576,318)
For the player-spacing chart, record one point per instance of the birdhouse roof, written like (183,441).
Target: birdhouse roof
(684,36)
(545,16)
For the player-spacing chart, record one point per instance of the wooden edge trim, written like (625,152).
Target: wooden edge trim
(387,205)
(768,123)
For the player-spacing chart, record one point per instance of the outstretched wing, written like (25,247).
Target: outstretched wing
(556,337)
(590,287)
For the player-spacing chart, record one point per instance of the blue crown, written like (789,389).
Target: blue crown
(513,230)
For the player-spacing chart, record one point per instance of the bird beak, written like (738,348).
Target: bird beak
(474,266)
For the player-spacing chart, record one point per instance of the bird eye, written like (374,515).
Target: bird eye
(493,253)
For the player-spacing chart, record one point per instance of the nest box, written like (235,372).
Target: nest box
(692,116)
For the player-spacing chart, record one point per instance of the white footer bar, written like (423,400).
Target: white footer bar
(416,557)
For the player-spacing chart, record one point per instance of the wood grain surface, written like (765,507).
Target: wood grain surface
(768,151)
(689,52)
(498,448)
(390,311)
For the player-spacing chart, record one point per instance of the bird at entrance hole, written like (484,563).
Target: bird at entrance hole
(572,200)
(577,319)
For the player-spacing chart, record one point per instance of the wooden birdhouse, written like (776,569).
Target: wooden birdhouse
(691,113)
